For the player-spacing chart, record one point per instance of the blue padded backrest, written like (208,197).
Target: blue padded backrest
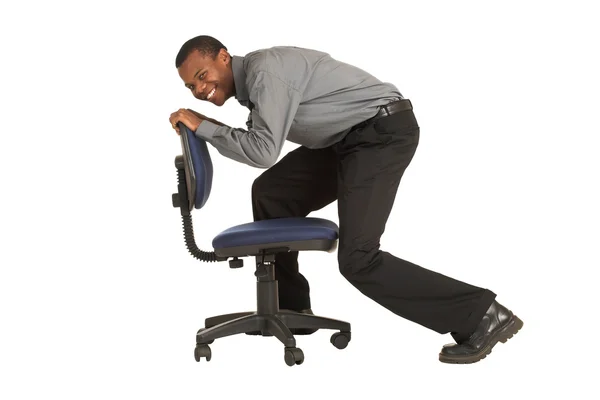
(197,158)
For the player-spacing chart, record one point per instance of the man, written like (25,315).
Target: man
(357,135)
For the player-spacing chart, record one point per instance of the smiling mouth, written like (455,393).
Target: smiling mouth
(211,93)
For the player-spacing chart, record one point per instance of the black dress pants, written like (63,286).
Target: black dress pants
(362,172)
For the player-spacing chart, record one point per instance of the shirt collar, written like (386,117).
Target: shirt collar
(239,78)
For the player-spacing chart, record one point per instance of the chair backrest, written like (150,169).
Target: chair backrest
(198,167)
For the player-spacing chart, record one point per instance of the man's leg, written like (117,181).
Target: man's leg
(372,162)
(304,180)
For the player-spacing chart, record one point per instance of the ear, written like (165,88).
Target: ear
(224,55)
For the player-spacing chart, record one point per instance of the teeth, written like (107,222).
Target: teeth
(211,93)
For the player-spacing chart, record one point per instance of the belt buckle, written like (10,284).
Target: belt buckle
(385,106)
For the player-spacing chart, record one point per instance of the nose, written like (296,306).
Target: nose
(199,91)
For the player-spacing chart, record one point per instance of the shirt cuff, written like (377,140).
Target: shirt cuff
(206,130)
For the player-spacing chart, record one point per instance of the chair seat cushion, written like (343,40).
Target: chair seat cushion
(273,231)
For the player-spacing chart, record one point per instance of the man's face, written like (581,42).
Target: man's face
(208,79)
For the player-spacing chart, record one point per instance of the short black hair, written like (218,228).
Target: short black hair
(206,45)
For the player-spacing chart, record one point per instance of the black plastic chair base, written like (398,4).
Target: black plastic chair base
(267,325)
(279,325)
(269,320)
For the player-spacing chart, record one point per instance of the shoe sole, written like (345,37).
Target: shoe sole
(503,335)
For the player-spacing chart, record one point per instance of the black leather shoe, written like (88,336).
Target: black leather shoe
(295,331)
(498,325)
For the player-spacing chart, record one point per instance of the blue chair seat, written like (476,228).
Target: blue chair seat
(293,234)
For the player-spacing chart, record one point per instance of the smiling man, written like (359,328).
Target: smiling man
(357,136)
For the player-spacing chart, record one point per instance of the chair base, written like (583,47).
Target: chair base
(267,324)
(269,320)
(278,325)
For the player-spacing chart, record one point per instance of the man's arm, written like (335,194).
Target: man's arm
(275,106)
(205,118)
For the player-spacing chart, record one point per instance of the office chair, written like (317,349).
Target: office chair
(261,240)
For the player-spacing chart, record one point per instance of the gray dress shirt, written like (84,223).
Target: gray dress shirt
(296,94)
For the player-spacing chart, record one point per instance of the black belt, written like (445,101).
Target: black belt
(393,108)
(387,110)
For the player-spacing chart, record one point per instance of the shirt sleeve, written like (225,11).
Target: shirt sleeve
(275,106)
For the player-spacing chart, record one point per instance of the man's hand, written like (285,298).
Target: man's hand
(189,118)
(201,116)
(205,118)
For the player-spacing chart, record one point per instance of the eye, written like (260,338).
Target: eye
(202,75)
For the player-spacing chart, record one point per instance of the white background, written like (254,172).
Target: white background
(99,297)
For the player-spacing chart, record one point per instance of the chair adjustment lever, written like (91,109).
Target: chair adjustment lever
(262,270)
(265,269)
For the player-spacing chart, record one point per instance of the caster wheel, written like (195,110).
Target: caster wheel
(210,341)
(202,350)
(294,356)
(340,339)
